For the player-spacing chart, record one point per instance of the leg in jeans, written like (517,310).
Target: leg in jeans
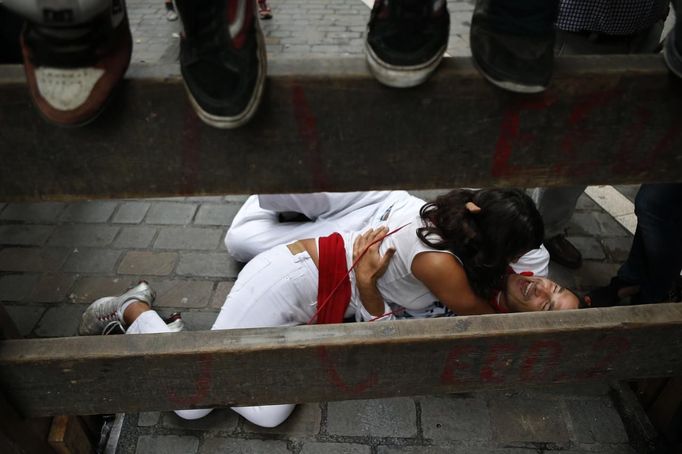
(655,258)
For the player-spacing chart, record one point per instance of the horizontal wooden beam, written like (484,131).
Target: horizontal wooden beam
(328,125)
(337,362)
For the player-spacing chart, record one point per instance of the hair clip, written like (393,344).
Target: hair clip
(472,207)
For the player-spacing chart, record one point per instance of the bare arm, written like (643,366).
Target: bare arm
(444,276)
(370,268)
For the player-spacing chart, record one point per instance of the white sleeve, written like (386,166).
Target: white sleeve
(536,261)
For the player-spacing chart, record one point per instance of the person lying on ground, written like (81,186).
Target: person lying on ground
(405,269)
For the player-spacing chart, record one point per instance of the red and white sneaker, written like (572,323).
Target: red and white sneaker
(222,59)
(264,10)
(75,53)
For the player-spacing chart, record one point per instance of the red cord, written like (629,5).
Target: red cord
(355,262)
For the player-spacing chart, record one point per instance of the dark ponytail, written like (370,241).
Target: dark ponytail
(507,226)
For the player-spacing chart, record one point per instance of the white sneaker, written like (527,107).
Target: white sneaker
(106,315)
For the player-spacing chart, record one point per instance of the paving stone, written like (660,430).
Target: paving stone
(377,418)
(83,235)
(206,198)
(455,448)
(17,287)
(199,320)
(53,288)
(212,214)
(86,260)
(182,293)
(88,289)
(166,444)
(238,198)
(210,264)
(221,291)
(305,420)
(618,248)
(335,448)
(135,237)
(455,418)
(88,211)
(189,238)
(146,262)
(32,212)
(60,321)
(171,213)
(25,317)
(42,259)
(596,421)
(585,203)
(215,445)
(595,223)
(219,420)
(131,212)
(589,247)
(27,235)
(595,274)
(148,419)
(517,419)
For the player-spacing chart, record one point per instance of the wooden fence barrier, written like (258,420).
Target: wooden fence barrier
(327,125)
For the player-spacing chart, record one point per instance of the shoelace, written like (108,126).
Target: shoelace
(111,326)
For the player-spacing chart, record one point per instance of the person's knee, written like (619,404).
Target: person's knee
(193,414)
(239,244)
(267,416)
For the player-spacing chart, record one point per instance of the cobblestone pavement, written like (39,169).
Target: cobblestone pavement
(57,257)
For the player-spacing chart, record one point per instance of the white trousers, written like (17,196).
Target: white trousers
(256,227)
(276,288)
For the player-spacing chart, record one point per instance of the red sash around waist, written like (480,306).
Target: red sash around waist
(334,291)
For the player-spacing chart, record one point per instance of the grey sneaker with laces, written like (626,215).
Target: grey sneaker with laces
(106,315)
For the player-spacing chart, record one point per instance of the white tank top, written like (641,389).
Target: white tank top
(404,293)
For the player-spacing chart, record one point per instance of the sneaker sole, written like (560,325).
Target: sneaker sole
(672,59)
(401,76)
(507,85)
(245,116)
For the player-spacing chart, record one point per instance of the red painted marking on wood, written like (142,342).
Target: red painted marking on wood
(535,351)
(454,363)
(510,135)
(202,384)
(334,376)
(307,131)
(613,348)
(493,363)
(191,155)
(577,133)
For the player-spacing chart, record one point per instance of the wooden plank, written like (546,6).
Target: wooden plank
(337,362)
(68,436)
(328,125)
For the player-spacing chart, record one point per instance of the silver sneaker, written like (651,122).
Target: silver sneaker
(105,315)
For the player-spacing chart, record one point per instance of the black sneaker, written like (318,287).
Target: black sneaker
(406,40)
(673,43)
(512,43)
(75,54)
(222,59)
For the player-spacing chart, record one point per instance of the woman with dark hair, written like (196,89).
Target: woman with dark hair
(420,262)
